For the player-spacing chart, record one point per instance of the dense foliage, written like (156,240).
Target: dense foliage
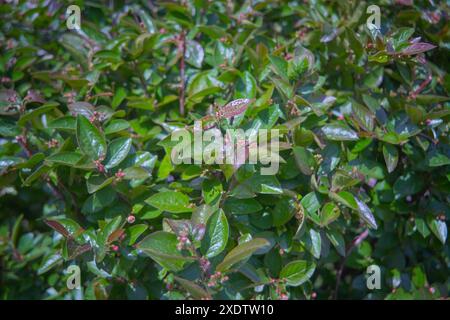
(86,176)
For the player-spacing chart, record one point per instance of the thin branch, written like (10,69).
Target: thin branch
(422,86)
(141,80)
(181,53)
(360,238)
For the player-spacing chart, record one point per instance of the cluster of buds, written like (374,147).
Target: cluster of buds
(225,40)
(115,248)
(288,56)
(280,290)
(70,96)
(204,264)
(119,175)
(10,44)
(52,143)
(12,98)
(183,240)
(217,278)
(21,139)
(99,165)
(318,158)
(300,212)
(293,110)
(302,33)
(94,117)
(5,80)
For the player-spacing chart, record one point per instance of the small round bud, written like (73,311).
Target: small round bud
(131,219)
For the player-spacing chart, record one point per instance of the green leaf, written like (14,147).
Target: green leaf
(99,200)
(438,227)
(280,66)
(390,154)
(329,213)
(118,149)
(419,277)
(194,53)
(116,126)
(68,123)
(310,202)
(346,198)
(170,201)
(241,206)
(65,158)
(211,190)
(304,160)
(120,95)
(242,252)
(217,233)
(366,214)
(408,184)
(339,132)
(95,183)
(49,262)
(161,246)
(297,272)
(90,140)
(337,240)
(313,242)
(284,210)
(422,227)
(36,112)
(135,231)
(194,289)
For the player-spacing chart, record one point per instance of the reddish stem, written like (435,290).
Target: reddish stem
(181,52)
(356,242)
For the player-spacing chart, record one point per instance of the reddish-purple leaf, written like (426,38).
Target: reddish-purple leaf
(115,235)
(76,250)
(417,48)
(55,225)
(234,108)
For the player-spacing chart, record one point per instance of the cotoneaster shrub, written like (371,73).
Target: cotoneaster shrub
(86,177)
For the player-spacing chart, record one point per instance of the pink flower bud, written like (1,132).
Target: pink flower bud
(131,219)
(372,182)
